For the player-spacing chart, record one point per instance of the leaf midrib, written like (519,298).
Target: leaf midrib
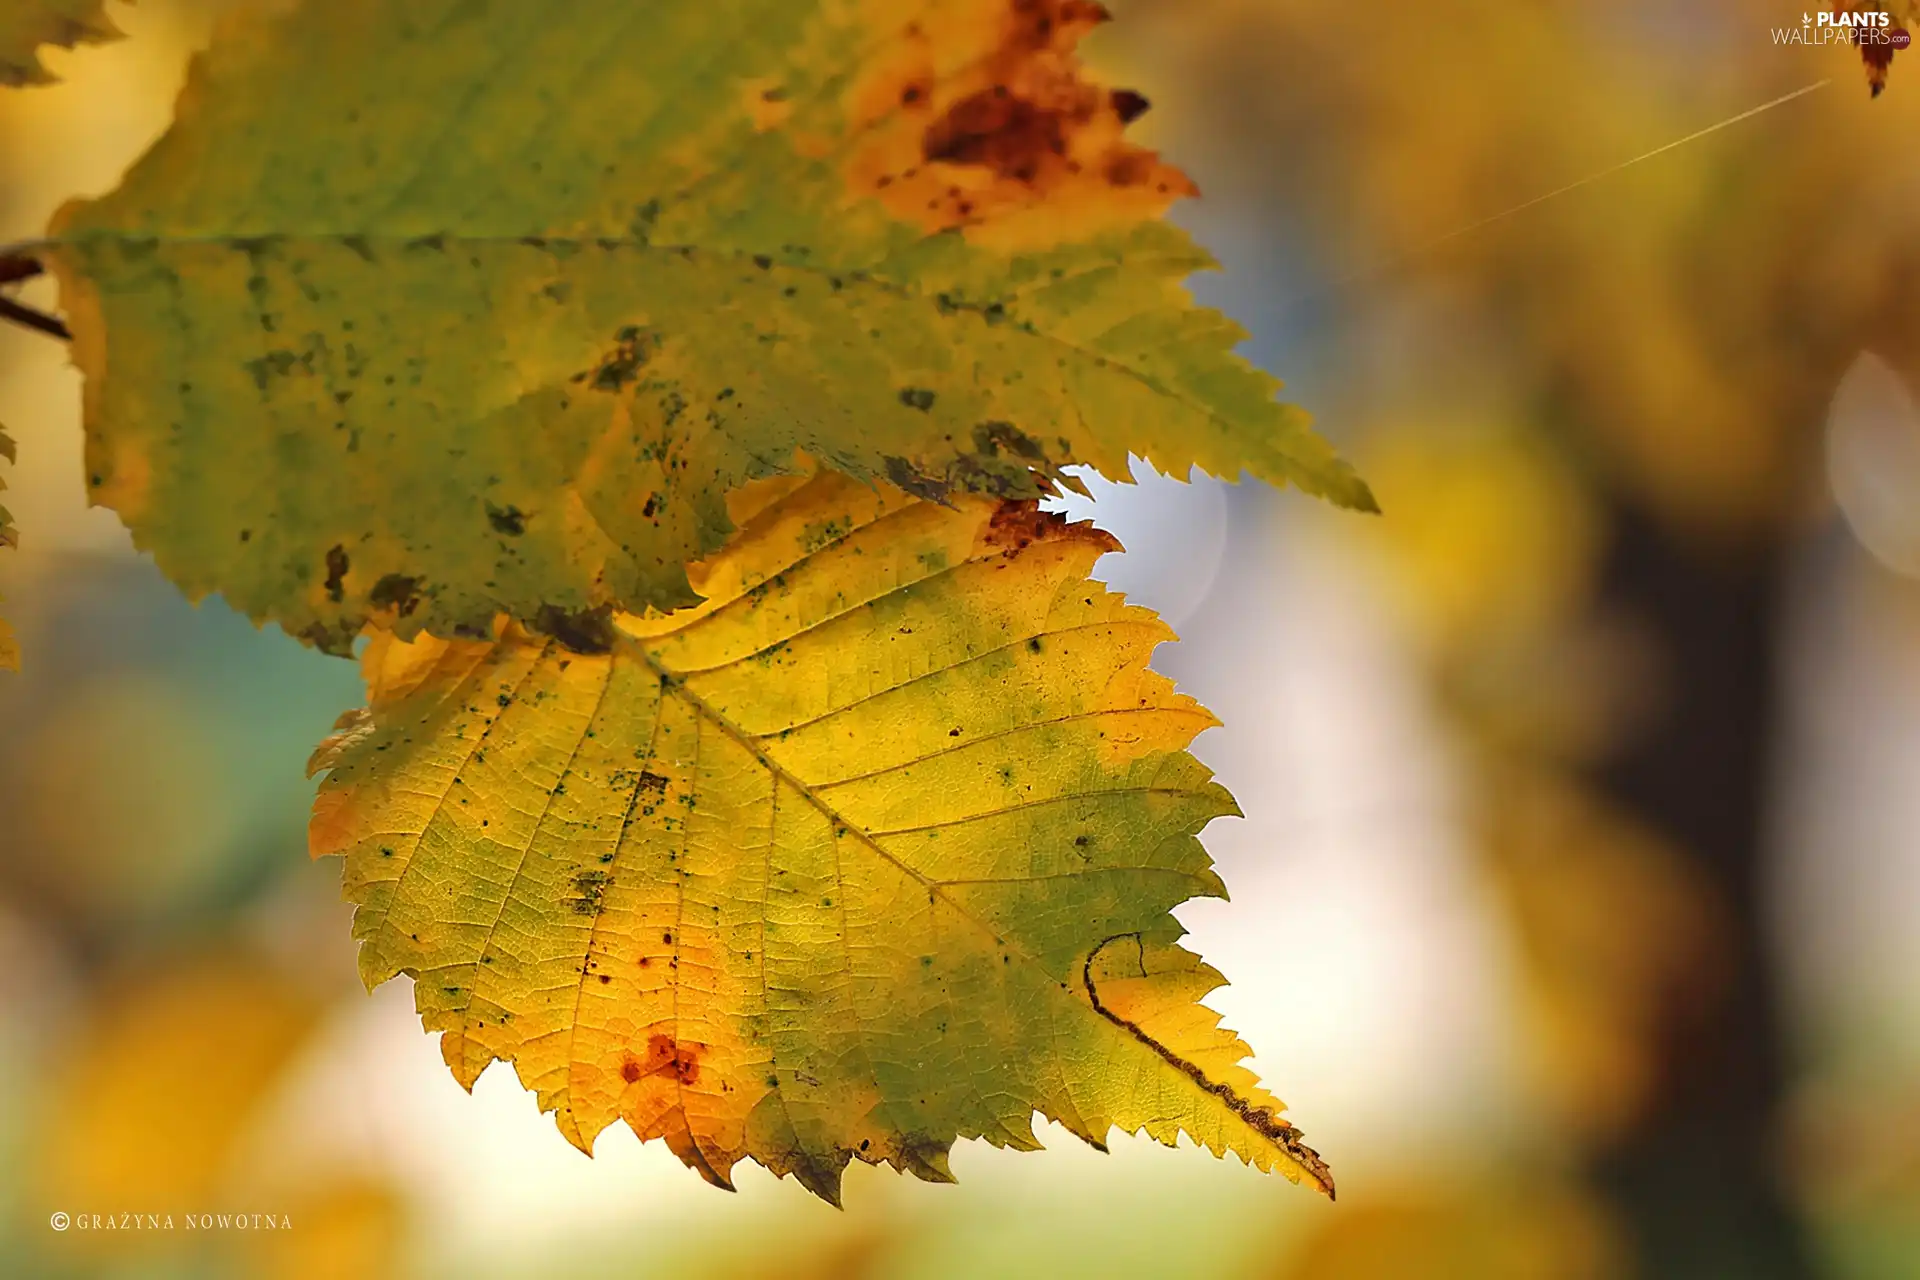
(934,888)
(849,276)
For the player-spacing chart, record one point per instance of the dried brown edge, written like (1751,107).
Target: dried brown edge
(1260,1119)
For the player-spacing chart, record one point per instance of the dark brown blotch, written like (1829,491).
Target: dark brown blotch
(398,592)
(338,567)
(588,631)
(620,368)
(1129,105)
(508,521)
(591,886)
(996,438)
(904,475)
(665,1056)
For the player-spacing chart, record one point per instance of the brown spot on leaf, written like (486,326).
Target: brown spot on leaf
(768,102)
(981,117)
(1012,136)
(583,630)
(1018,524)
(1129,106)
(997,438)
(665,1057)
(1004,462)
(398,592)
(337,568)
(682,1059)
(591,886)
(908,477)
(1015,526)
(620,368)
(337,641)
(507,521)
(1129,171)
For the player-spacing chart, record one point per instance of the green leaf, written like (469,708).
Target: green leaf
(25,25)
(875,849)
(427,311)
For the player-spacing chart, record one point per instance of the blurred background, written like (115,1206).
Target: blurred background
(1583,786)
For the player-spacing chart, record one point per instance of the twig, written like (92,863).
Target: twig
(28,318)
(18,268)
(15,268)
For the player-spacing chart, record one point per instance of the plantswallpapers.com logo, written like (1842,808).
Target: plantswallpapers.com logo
(1863,29)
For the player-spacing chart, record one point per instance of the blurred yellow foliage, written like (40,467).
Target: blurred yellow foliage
(1493,548)
(114,801)
(1616,932)
(159,1084)
(1493,531)
(350,1228)
(1536,1231)
(1688,316)
(9,650)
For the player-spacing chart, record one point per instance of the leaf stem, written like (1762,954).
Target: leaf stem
(16,267)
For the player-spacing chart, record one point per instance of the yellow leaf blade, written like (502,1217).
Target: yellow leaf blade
(873,850)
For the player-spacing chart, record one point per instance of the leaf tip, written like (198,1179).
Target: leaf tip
(928,1162)
(821,1178)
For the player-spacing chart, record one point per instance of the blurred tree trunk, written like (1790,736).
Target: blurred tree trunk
(1697,1180)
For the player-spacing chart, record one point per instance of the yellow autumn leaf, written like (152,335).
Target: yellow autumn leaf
(426,312)
(25,25)
(874,849)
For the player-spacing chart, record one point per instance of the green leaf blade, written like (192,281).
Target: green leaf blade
(513,297)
